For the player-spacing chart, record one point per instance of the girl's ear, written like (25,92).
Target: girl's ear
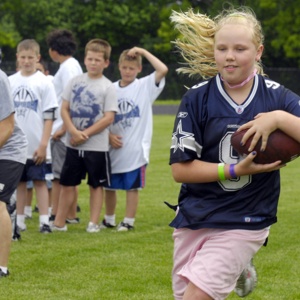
(259,53)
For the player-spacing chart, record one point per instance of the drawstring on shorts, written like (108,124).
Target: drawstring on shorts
(81,153)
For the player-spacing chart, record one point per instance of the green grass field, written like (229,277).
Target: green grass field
(137,265)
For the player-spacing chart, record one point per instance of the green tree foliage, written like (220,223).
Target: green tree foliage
(126,23)
(33,19)
(8,34)
(281,23)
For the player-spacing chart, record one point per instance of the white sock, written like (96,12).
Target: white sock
(4,269)
(44,219)
(49,211)
(21,220)
(28,211)
(129,221)
(110,219)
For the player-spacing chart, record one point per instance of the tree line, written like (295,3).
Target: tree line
(127,23)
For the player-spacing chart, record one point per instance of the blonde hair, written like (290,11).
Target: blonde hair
(98,45)
(125,57)
(196,42)
(29,44)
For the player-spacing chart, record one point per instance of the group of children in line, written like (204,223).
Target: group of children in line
(80,124)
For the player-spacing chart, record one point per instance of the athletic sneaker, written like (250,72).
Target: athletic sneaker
(45,228)
(2,274)
(55,228)
(124,227)
(91,228)
(73,221)
(105,225)
(247,281)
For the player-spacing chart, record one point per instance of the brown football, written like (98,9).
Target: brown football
(280,146)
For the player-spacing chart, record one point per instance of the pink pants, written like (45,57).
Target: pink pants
(212,259)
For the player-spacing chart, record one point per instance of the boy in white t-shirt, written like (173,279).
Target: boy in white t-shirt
(62,46)
(36,109)
(131,132)
(40,66)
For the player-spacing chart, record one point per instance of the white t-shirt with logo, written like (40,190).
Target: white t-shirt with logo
(134,123)
(32,96)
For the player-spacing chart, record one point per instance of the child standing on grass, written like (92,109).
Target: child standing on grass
(62,46)
(131,132)
(13,152)
(88,108)
(226,203)
(36,109)
(42,67)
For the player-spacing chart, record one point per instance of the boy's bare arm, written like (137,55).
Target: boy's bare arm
(160,68)
(39,155)
(65,115)
(101,124)
(59,133)
(115,140)
(77,137)
(6,129)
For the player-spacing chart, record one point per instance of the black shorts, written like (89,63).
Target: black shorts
(10,174)
(78,163)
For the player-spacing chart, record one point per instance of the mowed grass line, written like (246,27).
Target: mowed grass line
(137,265)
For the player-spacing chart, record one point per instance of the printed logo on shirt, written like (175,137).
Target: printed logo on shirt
(182,139)
(253,219)
(239,109)
(84,109)
(2,185)
(24,100)
(128,111)
(182,114)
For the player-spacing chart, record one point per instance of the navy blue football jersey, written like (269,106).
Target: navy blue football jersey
(206,119)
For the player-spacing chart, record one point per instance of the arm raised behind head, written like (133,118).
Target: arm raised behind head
(160,68)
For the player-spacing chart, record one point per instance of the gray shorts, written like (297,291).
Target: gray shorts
(58,152)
